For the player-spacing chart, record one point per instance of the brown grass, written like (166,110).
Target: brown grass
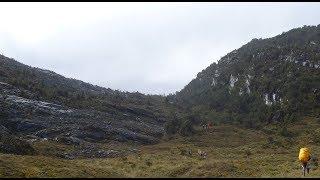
(232,152)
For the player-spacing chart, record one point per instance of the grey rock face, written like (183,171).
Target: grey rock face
(27,126)
(72,126)
(40,105)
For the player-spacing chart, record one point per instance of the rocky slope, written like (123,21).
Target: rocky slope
(273,79)
(38,105)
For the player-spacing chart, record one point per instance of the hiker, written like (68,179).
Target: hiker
(304,157)
(210,125)
(202,154)
(204,126)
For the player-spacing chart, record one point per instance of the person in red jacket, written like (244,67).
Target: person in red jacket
(209,125)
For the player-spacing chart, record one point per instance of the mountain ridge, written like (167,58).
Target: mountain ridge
(272,80)
(294,53)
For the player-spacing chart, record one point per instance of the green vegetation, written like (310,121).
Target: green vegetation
(232,152)
(265,81)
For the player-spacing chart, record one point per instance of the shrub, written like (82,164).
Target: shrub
(316,136)
(172,126)
(314,162)
(148,162)
(284,132)
(248,152)
(187,128)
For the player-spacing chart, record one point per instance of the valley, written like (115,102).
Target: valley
(262,100)
(232,152)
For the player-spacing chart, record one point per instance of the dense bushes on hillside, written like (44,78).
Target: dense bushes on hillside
(182,124)
(267,80)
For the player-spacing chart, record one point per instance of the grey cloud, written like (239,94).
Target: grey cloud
(160,51)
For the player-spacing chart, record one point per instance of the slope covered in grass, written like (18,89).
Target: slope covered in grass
(232,152)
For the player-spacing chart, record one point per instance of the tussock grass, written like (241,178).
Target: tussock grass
(232,152)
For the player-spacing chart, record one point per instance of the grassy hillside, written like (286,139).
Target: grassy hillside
(232,152)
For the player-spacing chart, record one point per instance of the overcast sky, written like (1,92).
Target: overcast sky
(153,48)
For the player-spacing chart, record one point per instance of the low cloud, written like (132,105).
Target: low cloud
(151,48)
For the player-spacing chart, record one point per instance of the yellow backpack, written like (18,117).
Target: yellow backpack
(304,155)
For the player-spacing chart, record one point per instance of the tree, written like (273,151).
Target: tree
(172,126)
(187,124)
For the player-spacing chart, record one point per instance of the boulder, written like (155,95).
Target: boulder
(125,135)
(92,133)
(27,126)
(49,132)
(13,145)
(69,140)
(65,156)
